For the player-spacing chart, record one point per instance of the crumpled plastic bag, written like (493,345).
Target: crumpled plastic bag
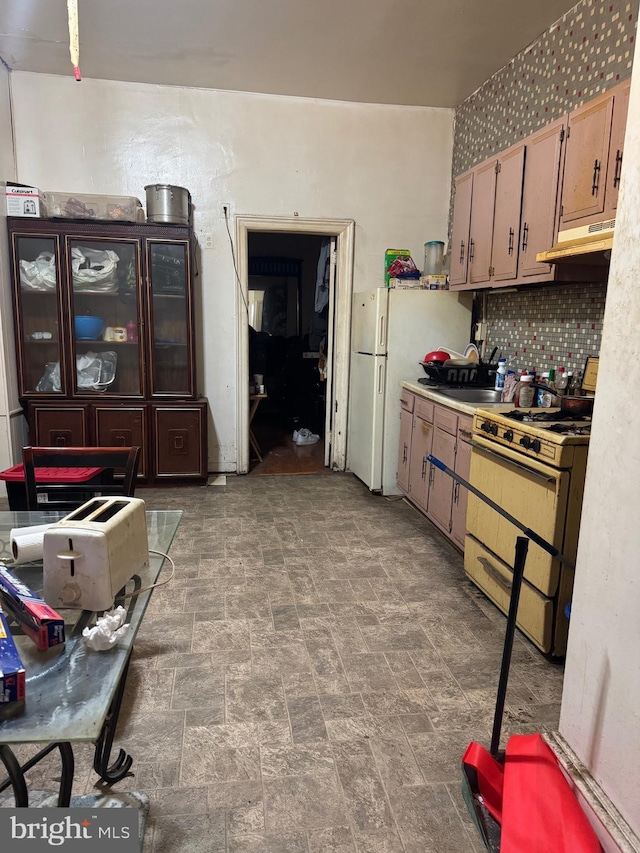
(403,267)
(94,270)
(94,371)
(107,631)
(39,274)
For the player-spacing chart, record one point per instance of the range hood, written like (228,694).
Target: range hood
(589,244)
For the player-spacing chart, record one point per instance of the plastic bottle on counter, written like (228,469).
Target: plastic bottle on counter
(525,393)
(544,378)
(500,374)
(562,381)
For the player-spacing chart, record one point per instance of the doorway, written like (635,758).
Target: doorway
(288,323)
(303,364)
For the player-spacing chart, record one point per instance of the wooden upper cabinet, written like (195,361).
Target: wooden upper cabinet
(459,261)
(593,163)
(540,196)
(616,148)
(481,228)
(506,219)
(587,161)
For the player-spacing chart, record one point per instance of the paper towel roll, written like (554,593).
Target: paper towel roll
(26,542)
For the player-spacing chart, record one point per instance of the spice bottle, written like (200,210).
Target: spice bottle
(525,392)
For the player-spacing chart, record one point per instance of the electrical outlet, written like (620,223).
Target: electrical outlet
(225,209)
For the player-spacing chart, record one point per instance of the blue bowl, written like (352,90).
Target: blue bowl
(88,328)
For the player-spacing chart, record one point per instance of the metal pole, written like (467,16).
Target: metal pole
(522,546)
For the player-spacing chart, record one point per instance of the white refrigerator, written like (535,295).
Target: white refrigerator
(391,332)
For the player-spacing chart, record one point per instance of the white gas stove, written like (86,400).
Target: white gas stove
(543,434)
(532,463)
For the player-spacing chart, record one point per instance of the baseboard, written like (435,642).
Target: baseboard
(614,833)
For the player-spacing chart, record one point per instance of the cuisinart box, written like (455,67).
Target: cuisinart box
(23,200)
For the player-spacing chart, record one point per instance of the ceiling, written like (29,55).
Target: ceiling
(419,52)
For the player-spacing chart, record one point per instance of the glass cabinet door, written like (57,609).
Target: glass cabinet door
(38,322)
(171,332)
(105,315)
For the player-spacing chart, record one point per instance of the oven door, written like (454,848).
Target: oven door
(532,492)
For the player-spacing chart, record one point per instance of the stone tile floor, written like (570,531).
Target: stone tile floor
(310,679)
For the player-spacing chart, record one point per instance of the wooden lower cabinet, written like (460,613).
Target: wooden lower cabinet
(421,441)
(59,426)
(179,432)
(460,494)
(406,428)
(427,427)
(172,436)
(123,426)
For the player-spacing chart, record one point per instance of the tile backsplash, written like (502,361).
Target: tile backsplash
(585,52)
(544,327)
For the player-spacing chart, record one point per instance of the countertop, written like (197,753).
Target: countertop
(451,403)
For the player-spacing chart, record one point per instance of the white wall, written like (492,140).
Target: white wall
(388,168)
(11,420)
(600,715)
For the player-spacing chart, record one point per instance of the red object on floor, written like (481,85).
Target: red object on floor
(486,776)
(540,812)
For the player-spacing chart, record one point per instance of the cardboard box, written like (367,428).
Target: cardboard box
(41,623)
(435,282)
(406,284)
(12,674)
(24,201)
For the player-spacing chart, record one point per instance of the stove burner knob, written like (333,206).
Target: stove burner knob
(485,426)
(525,441)
(493,429)
(535,445)
(508,435)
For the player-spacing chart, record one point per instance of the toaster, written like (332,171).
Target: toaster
(90,554)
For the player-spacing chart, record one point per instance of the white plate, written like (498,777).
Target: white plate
(472,353)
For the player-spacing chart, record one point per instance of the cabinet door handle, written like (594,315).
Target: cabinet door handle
(461,251)
(456,491)
(495,574)
(616,176)
(596,177)
(404,454)
(472,246)
(525,236)
(424,469)
(465,433)
(511,234)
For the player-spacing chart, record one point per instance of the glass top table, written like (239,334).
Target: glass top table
(69,689)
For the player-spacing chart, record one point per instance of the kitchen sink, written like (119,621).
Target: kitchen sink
(472,395)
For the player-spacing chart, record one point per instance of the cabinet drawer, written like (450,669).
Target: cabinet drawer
(464,428)
(407,400)
(424,410)
(535,611)
(446,419)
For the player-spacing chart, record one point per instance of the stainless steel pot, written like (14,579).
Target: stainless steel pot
(167,203)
